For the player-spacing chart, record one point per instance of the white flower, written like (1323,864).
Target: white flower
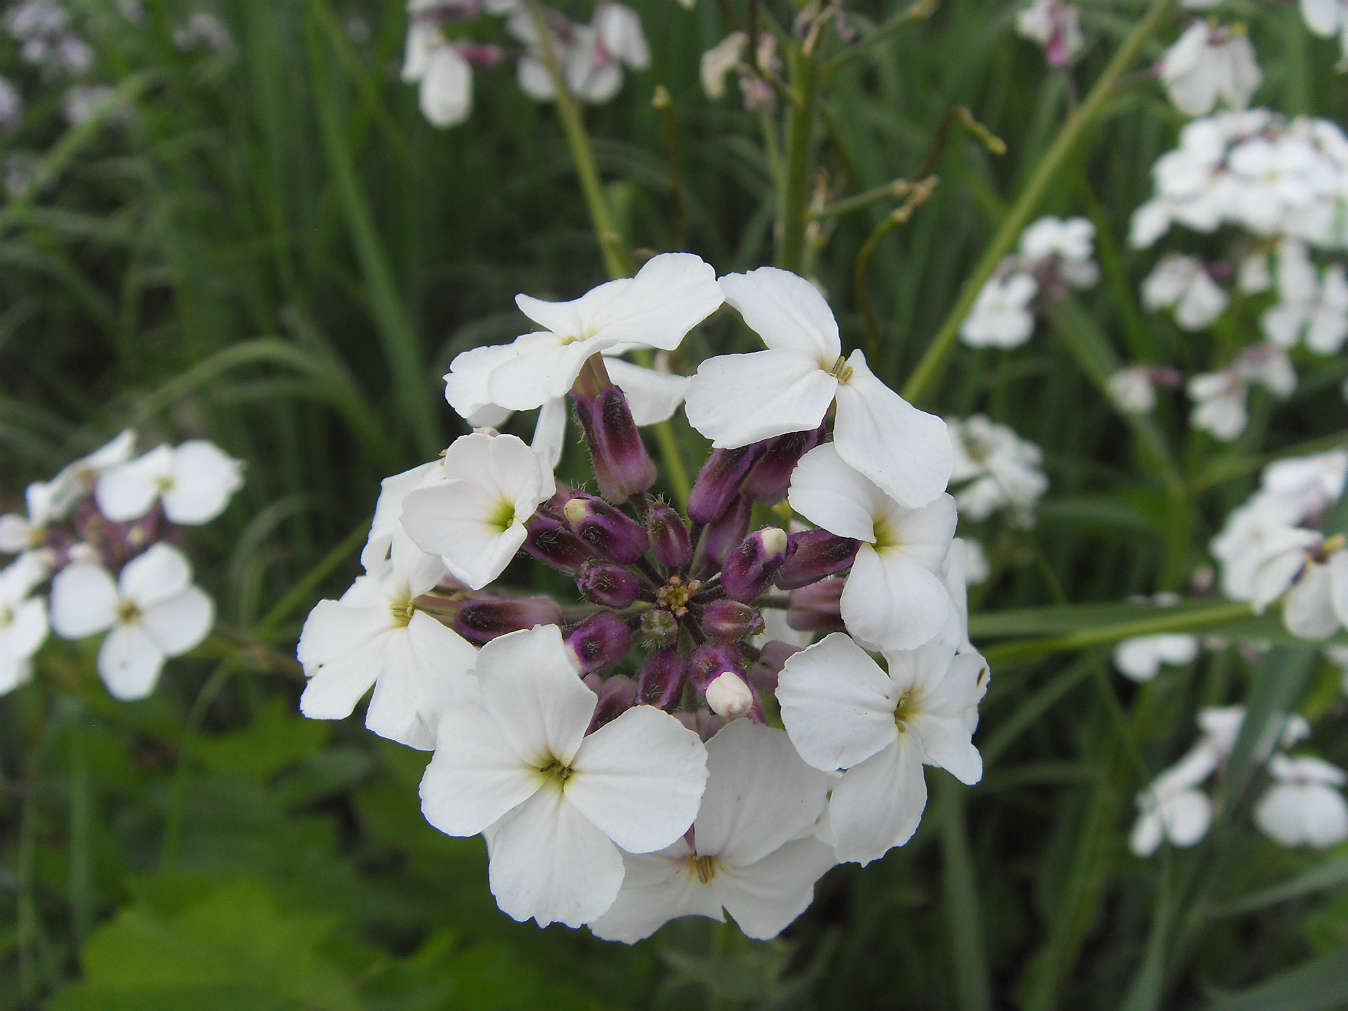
(1056,26)
(1172,808)
(1252,276)
(556,803)
(894,596)
(998,470)
(1306,306)
(376,636)
(977,569)
(1328,17)
(749,853)
(474,517)
(23,620)
(718,61)
(1183,283)
(23,533)
(194,481)
(153,610)
(1066,245)
(735,400)
(1219,397)
(1316,606)
(1132,390)
(669,296)
(1303,807)
(591,56)
(387,526)
(1250,535)
(1140,659)
(843,712)
(11,103)
(446,77)
(1208,65)
(52,500)
(1000,316)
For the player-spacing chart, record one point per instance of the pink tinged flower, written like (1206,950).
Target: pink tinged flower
(843,712)
(749,853)
(1182,283)
(894,596)
(1140,659)
(23,620)
(1000,316)
(556,804)
(193,481)
(1207,65)
(151,612)
(736,400)
(1172,808)
(1305,806)
(474,518)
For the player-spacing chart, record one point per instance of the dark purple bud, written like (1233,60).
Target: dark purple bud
(616,695)
(600,641)
(770,479)
(551,541)
(729,619)
(772,657)
(816,608)
(607,584)
(621,463)
(712,659)
(660,628)
(719,481)
(480,621)
(753,565)
(724,535)
(609,532)
(669,537)
(662,678)
(817,554)
(480,54)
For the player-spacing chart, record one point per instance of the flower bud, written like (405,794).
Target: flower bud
(616,695)
(723,535)
(817,553)
(719,481)
(607,584)
(729,619)
(552,543)
(662,678)
(772,657)
(730,697)
(660,628)
(601,640)
(669,537)
(752,566)
(770,479)
(816,608)
(480,621)
(621,464)
(610,532)
(712,659)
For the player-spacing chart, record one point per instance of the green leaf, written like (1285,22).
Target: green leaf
(1316,985)
(276,738)
(1333,874)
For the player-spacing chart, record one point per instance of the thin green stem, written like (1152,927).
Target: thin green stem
(964,920)
(794,201)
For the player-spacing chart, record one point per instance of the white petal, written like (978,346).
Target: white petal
(1147,834)
(892,601)
(766,896)
(657,888)
(336,630)
(670,294)
(161,572)
(388,510)
(446,96)
(425,671)
(83,601)
(204,477)
(738,399)
(832,495)
(27,630)
(1186,817)
(787,311)
(652,395)
(550,432)
(1307,610)
(337,685)
(129,663)
(948,716)
(466,383)
(879,803)
(180,622)
(1338,584)
(454,520)
(543,372)
(127,491)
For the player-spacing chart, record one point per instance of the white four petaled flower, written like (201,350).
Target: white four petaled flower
(23,619)
(193,481)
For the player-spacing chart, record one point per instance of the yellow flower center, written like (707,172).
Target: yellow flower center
(704,867)
(841,371)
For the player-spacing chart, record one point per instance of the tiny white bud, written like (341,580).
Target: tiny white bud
(575,510)
(729,696)
(774,540)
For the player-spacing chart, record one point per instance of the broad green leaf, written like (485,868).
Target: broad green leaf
(1333,874)
(1319,984)
(276,738)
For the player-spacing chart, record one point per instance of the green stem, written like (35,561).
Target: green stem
(794,209)
(1027,204)
(964,920)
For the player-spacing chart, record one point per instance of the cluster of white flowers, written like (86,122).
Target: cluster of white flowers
(590,57)
(1056,26)
(103,514)
(1207,65)
(624,797)
(1055,254)
(1140,659)
(1300,807)
(731,53)
(997,470)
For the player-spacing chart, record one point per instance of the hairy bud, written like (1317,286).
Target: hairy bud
(719,482)
(770,478)
(621,464)
(669,537)
(817,607)
(815,554)
(752,566)
(662,678)
(712,659)
(480,621)
(607,584)
(599,641)
(616,695)
(552,543)
(731,620)
(660,628)
(722,536)
(609,532)
(729,697)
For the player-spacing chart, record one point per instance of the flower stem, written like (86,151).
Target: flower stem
(929,368)
(794,210)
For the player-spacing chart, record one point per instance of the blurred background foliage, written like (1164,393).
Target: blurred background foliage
(273,249)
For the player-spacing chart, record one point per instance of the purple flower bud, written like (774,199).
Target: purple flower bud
(601,640)
(610,532)
(729,619)
(817,554)
(772,657)
(753,565)
(669,537)
(722,536)
(551,542)
(660,628)
(816,608)
(719,481)
(616,695)
(607,584)
(480,621)
(662,678)
(712,659)
(770,479)
(621,463)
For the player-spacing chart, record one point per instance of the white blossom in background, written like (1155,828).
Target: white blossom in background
(1182,283)
(1209,64)
(1308,307)
(1220,397)
(23,620)
(735,400)
(554,803)
(996,470)
(84,101)
(443,73)
(1133,389)
(151,612)
(205,29)
(1001,316)
(1056,26)
(1172,808)
(1140,659)
(977,568)
(1305,806)
(1253,275)
(591,57)
(11,104)
(1328,18)
(748,852)
(193,482)
(1061,248)
(720,60)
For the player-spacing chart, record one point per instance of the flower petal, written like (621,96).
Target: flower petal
(127,491)
(893,602)
(83,601)
(204,478)
(766,896)
(878,804)
(425,671)
(652,395)
(657,888)
(832,495)
(738,399)
(475,777)
(787,311)
(180,622)
(161,572)
(129,663)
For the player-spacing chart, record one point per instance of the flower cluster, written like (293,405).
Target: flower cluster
(102,530)
(998,470)
(616,752)
(1056,26)
(1300,807)
(1210,64)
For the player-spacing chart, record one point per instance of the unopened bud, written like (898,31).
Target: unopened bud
(731,620)
(662,678)
(816,554)
(817,607)
(752,566)
(712,659)
(772,657)
(607,584)
(719,482)
(621,464)
(609,532)
(723,535)
(552,543)
(600,641)
(480,621)
(729,697)
(770,479)
(660,628)
(669,537)
(616,695)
